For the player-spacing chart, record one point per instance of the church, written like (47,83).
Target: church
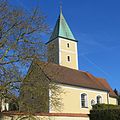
(81,89)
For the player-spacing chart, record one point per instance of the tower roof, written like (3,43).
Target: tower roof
(62,29)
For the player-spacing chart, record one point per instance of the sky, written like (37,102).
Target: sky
(96,26)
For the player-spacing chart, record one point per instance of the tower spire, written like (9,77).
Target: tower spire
(61,28)
(60,6)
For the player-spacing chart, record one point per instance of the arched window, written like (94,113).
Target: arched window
(99,99)
(92,102)
(84,102)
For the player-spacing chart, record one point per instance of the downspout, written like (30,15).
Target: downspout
(108,97)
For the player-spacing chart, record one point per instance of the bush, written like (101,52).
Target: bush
(105,112)
(105,106)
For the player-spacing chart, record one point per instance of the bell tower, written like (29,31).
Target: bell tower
(62,46)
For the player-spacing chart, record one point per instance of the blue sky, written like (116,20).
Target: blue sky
(96,25)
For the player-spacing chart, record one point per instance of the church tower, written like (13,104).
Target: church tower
(62,46)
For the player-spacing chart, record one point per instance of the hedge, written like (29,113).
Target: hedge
(105,112)
(105,106)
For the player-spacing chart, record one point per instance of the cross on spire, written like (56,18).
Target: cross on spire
(60,6)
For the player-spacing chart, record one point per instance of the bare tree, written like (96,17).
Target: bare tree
(20,43)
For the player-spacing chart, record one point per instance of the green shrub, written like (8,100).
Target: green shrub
(105,106)
(105,112)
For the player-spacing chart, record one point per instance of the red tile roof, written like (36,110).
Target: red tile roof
(105,84)
(64,75)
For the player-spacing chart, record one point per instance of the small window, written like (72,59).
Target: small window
(84,100)
(68,58)
(99,99)
(92,102)
(68,45)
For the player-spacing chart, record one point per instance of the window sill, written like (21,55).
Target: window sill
(84,107)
